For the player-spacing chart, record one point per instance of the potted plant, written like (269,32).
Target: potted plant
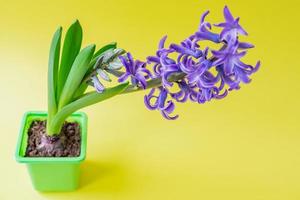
(53,143)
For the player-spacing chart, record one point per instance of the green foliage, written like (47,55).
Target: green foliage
(76,74)
(70,50)
(67,81)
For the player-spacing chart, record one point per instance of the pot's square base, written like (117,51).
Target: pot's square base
(52,174)
(54,177)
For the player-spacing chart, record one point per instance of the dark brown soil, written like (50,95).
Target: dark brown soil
(66,144)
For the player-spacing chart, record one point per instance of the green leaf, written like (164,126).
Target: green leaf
(71,48)
(112,45)
(52,74)
(86,100)
(78,71)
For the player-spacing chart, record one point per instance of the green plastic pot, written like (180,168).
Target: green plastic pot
(49,174)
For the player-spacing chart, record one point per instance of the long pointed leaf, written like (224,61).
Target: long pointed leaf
(52,74)
(71,48)
(86,100)
(78,70)
(112,45)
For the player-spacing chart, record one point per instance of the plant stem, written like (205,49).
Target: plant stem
(86,100)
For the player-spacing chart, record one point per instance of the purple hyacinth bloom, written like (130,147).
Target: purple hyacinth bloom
(204,32)
(166,107)
(197,73)
(231,27)
(195,94)
(188,47)
(161,49)
(169,66)
(202,78)
(206,94)
(163,65)
(230,80)
(239,74)
(136,70)
(230,59)
(231,69)
(185,92)
(199,83)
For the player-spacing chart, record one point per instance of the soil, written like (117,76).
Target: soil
(66,144)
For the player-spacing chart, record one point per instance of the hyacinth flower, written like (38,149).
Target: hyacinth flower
(136,70)
(184,93)
(166,107)
(231,27)
(192,71)
(232,68)
(204,32)
(188,47)
(163,65)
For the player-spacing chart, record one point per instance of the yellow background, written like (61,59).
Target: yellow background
(246,146)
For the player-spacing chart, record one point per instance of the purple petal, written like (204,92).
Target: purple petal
(124,62)
(208,36)
(227,15)
(165,81)
(169,108)
(153,59)
(162,98)
(146,71)
(241,30)
(243,65)
(223,24)
(179,48)
(203,16)
(218,62)
(245,45)
(221,96)
(217,53)
(131,62)
(124,77)
(186,69)
(193,77)
(257,66)
(228,67)
(162,42)
(241,54)
(157,68)
(242,75)
(165,115)
(147,100)
(141,80)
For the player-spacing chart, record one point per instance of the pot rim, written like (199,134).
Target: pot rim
(79,117)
